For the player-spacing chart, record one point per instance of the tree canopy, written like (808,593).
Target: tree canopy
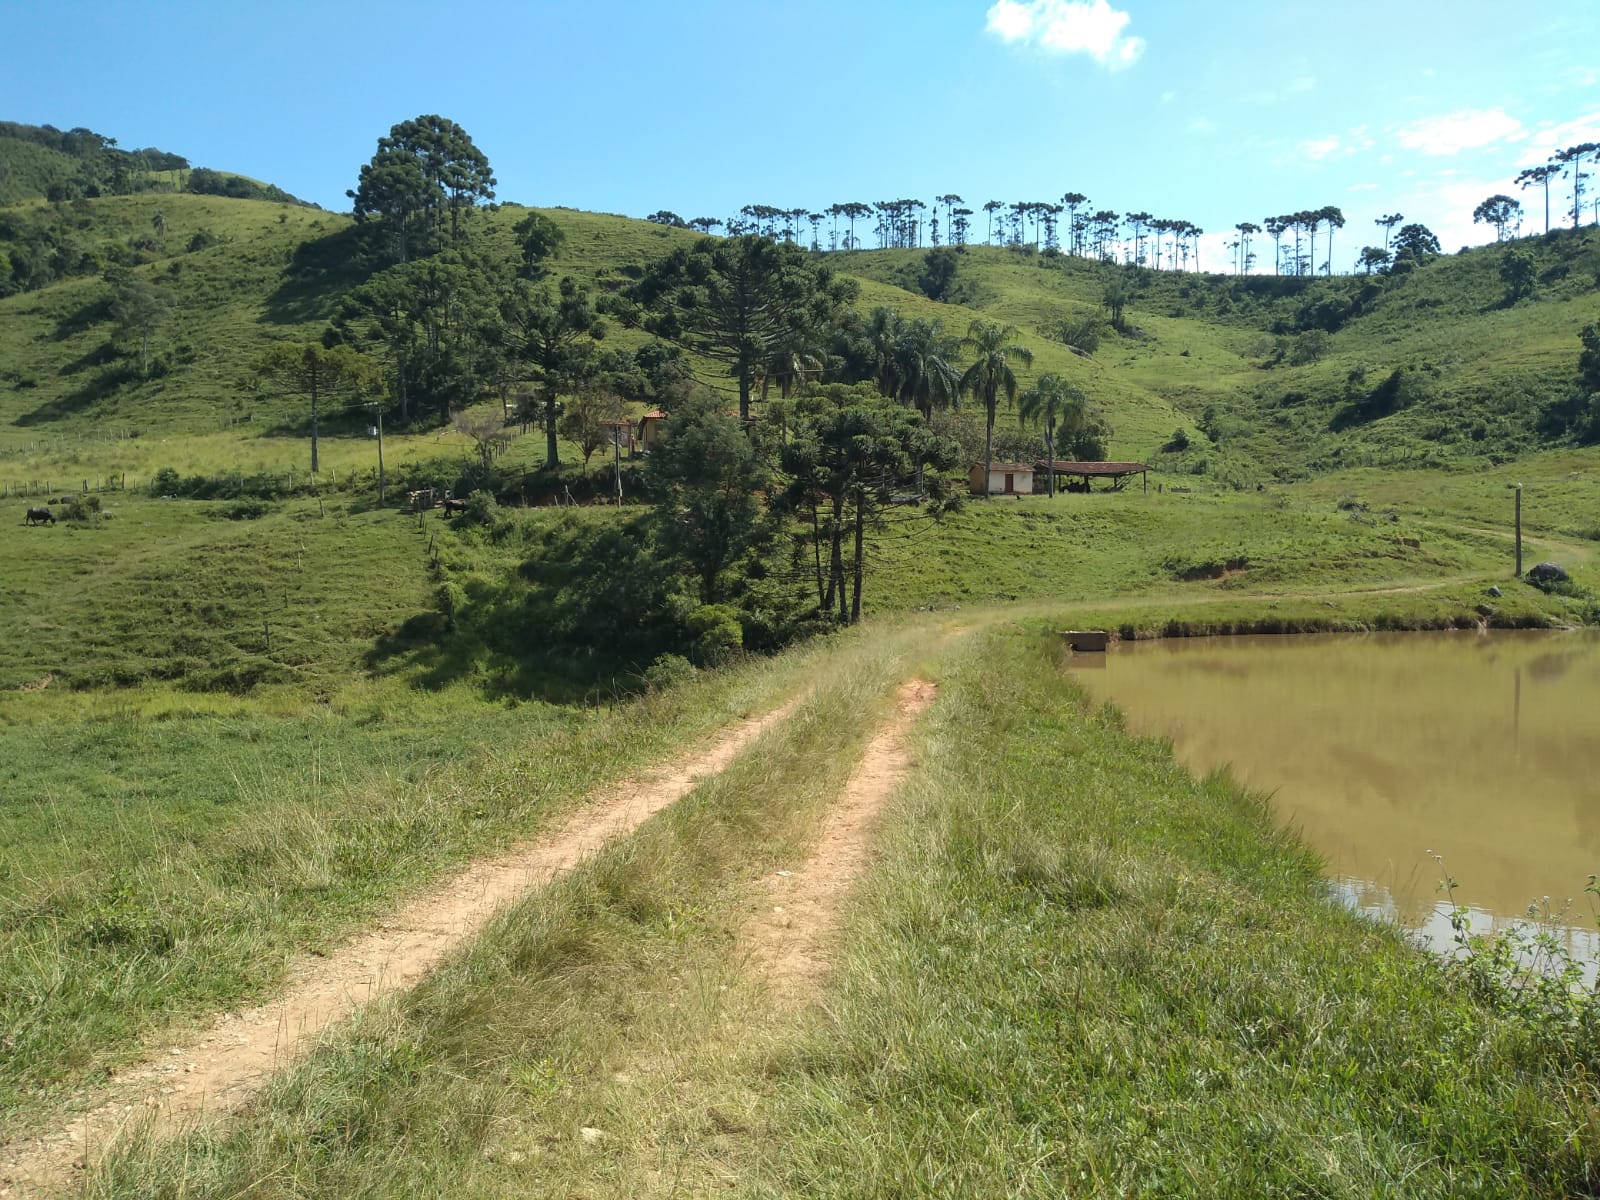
(742,302)
(423,170)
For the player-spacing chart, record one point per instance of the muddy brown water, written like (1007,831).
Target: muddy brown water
(1483,748)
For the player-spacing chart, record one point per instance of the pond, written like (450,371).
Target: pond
(1383,750)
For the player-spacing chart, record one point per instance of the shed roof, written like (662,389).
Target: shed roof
(1000,466)
(1062,467)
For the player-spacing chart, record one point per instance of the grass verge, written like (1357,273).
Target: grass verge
(1080,971)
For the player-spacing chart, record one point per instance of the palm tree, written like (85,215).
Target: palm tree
(991,375)
(1056,402)
(927,375)
(880,342)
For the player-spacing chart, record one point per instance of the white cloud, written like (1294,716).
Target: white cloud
(1318,149)
(1089,27)
(1363,187)
(1445,206)
(1200,125)
(1548,138)
(1468,129)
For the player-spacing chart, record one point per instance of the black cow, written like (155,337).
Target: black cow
(454,506)
(39,515)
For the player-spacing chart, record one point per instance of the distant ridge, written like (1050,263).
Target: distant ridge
(41,162)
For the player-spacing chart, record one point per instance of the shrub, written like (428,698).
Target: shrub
(715,633)
(81,508)
(166,482)
(482,509)
(668,671)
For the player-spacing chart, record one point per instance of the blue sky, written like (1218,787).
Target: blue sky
(1214,112)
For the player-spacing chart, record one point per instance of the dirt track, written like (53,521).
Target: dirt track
(219,1070)
(793,930)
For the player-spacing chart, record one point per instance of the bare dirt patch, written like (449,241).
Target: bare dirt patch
(217,1071)
(792,935)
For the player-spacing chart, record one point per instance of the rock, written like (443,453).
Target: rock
(1495,592)
(1548,575)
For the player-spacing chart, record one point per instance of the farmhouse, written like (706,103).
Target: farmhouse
(650,429)
(1005,479)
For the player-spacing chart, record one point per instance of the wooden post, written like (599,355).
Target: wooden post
(1519,531)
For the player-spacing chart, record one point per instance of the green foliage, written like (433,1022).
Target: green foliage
(539,237)
(669,671)
(1413,245)
(938,278)
(715,633)
(202,181)
(425,169)
(706,475)
(1080,331)
(852,458)
(741,302)
(139,308)
(1308,347)
(1518,273)
(551,336)
(1589,359)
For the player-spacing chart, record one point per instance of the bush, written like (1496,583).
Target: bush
(715,633)
(81,508)
(669,671)
(482,509)
(167,482)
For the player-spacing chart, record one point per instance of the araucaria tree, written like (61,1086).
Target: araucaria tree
(425,169)
(991,376)
(1499,211)
(709,477)
(738,301)
(851,459)
(552,336)
(317,373)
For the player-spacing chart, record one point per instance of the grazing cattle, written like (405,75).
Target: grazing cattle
(38,516)
(454,506)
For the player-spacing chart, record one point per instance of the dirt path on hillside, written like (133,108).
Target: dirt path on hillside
(219,1070)
(791,937)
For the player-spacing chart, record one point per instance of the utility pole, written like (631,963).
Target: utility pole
(1519,529)
(378,406)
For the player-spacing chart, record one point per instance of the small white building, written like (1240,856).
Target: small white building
(1005,479)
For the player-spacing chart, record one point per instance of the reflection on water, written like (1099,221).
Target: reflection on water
(1379,748)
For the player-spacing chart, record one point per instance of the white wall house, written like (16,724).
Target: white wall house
(1005,479)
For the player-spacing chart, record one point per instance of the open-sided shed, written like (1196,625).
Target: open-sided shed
(1117,472)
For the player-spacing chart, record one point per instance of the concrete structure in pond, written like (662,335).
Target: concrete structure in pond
(1005,479)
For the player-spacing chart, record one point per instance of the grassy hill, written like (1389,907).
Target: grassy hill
(189,591)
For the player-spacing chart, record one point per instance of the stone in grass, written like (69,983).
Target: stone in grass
(1494,591)
(1547,576)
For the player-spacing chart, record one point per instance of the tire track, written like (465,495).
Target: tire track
(791,938)
(230,1062)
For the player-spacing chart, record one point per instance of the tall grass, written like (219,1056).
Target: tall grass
(208,847)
